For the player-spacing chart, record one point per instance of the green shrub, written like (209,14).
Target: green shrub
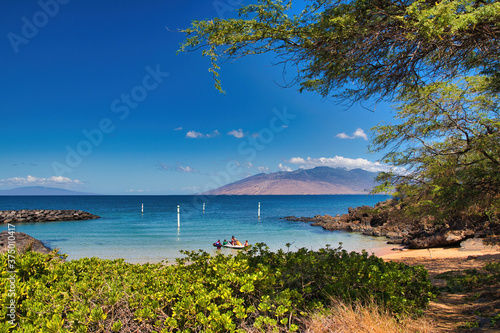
(470,279)
(202,292)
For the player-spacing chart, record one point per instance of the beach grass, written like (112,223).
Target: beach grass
(355,317)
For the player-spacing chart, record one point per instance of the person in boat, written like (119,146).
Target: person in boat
(217,244)
(224,242)
(246,243)
(233,241)
(237,243)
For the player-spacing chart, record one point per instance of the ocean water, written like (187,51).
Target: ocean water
(124,232)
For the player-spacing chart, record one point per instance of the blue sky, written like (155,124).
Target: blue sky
(94,98)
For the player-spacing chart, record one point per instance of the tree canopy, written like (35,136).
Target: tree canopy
(448,144)
(361,48)
(438,60)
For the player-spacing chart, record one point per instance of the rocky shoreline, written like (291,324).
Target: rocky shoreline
(383,220)
(22,242)
(44,215)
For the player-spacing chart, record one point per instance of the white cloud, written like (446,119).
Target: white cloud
(137,191)
(177,167)
(186,169)
(237,133)
(213,134)
(194,135)
(297,160)
(178,129)
(284,167)
(340,162)
(35,181)
(263,169)
(197,135)
(358,133)
(343,136)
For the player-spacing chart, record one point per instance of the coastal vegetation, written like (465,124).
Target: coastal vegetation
(257,290)
(361,318)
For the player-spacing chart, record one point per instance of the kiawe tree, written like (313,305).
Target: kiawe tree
(448,144)
(438,60)
(362,48)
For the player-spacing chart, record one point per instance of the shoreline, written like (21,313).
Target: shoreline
(438,253)
(385,219)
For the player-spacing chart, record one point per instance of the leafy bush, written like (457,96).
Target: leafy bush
(471,279)
(202,292)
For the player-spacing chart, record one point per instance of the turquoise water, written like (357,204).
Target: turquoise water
(124,232)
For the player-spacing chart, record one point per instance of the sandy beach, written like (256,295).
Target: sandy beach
(439,260)
(451,311)
(439,253)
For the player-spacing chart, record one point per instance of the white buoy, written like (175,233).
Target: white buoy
(258,214)
(203,207)
(142,208)
(178,216)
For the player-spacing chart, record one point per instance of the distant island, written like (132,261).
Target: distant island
(320,180)
(41,190)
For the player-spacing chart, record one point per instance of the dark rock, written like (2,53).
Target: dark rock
(393,235)
(451,237)
(376,221)
(387,220)
(367,232)
(24,215)
(22,241)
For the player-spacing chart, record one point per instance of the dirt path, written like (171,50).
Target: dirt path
(452,311)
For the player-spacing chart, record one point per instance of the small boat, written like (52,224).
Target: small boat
(237,247)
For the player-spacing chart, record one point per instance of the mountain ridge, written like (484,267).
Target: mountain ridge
(319,180)
(41,190)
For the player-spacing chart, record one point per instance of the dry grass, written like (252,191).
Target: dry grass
(347,318)
(355,318)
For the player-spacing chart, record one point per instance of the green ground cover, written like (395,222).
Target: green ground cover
(256,289)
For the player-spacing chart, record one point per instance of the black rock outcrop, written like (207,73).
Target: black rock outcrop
(44,215)
(21,242)
(386,220)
